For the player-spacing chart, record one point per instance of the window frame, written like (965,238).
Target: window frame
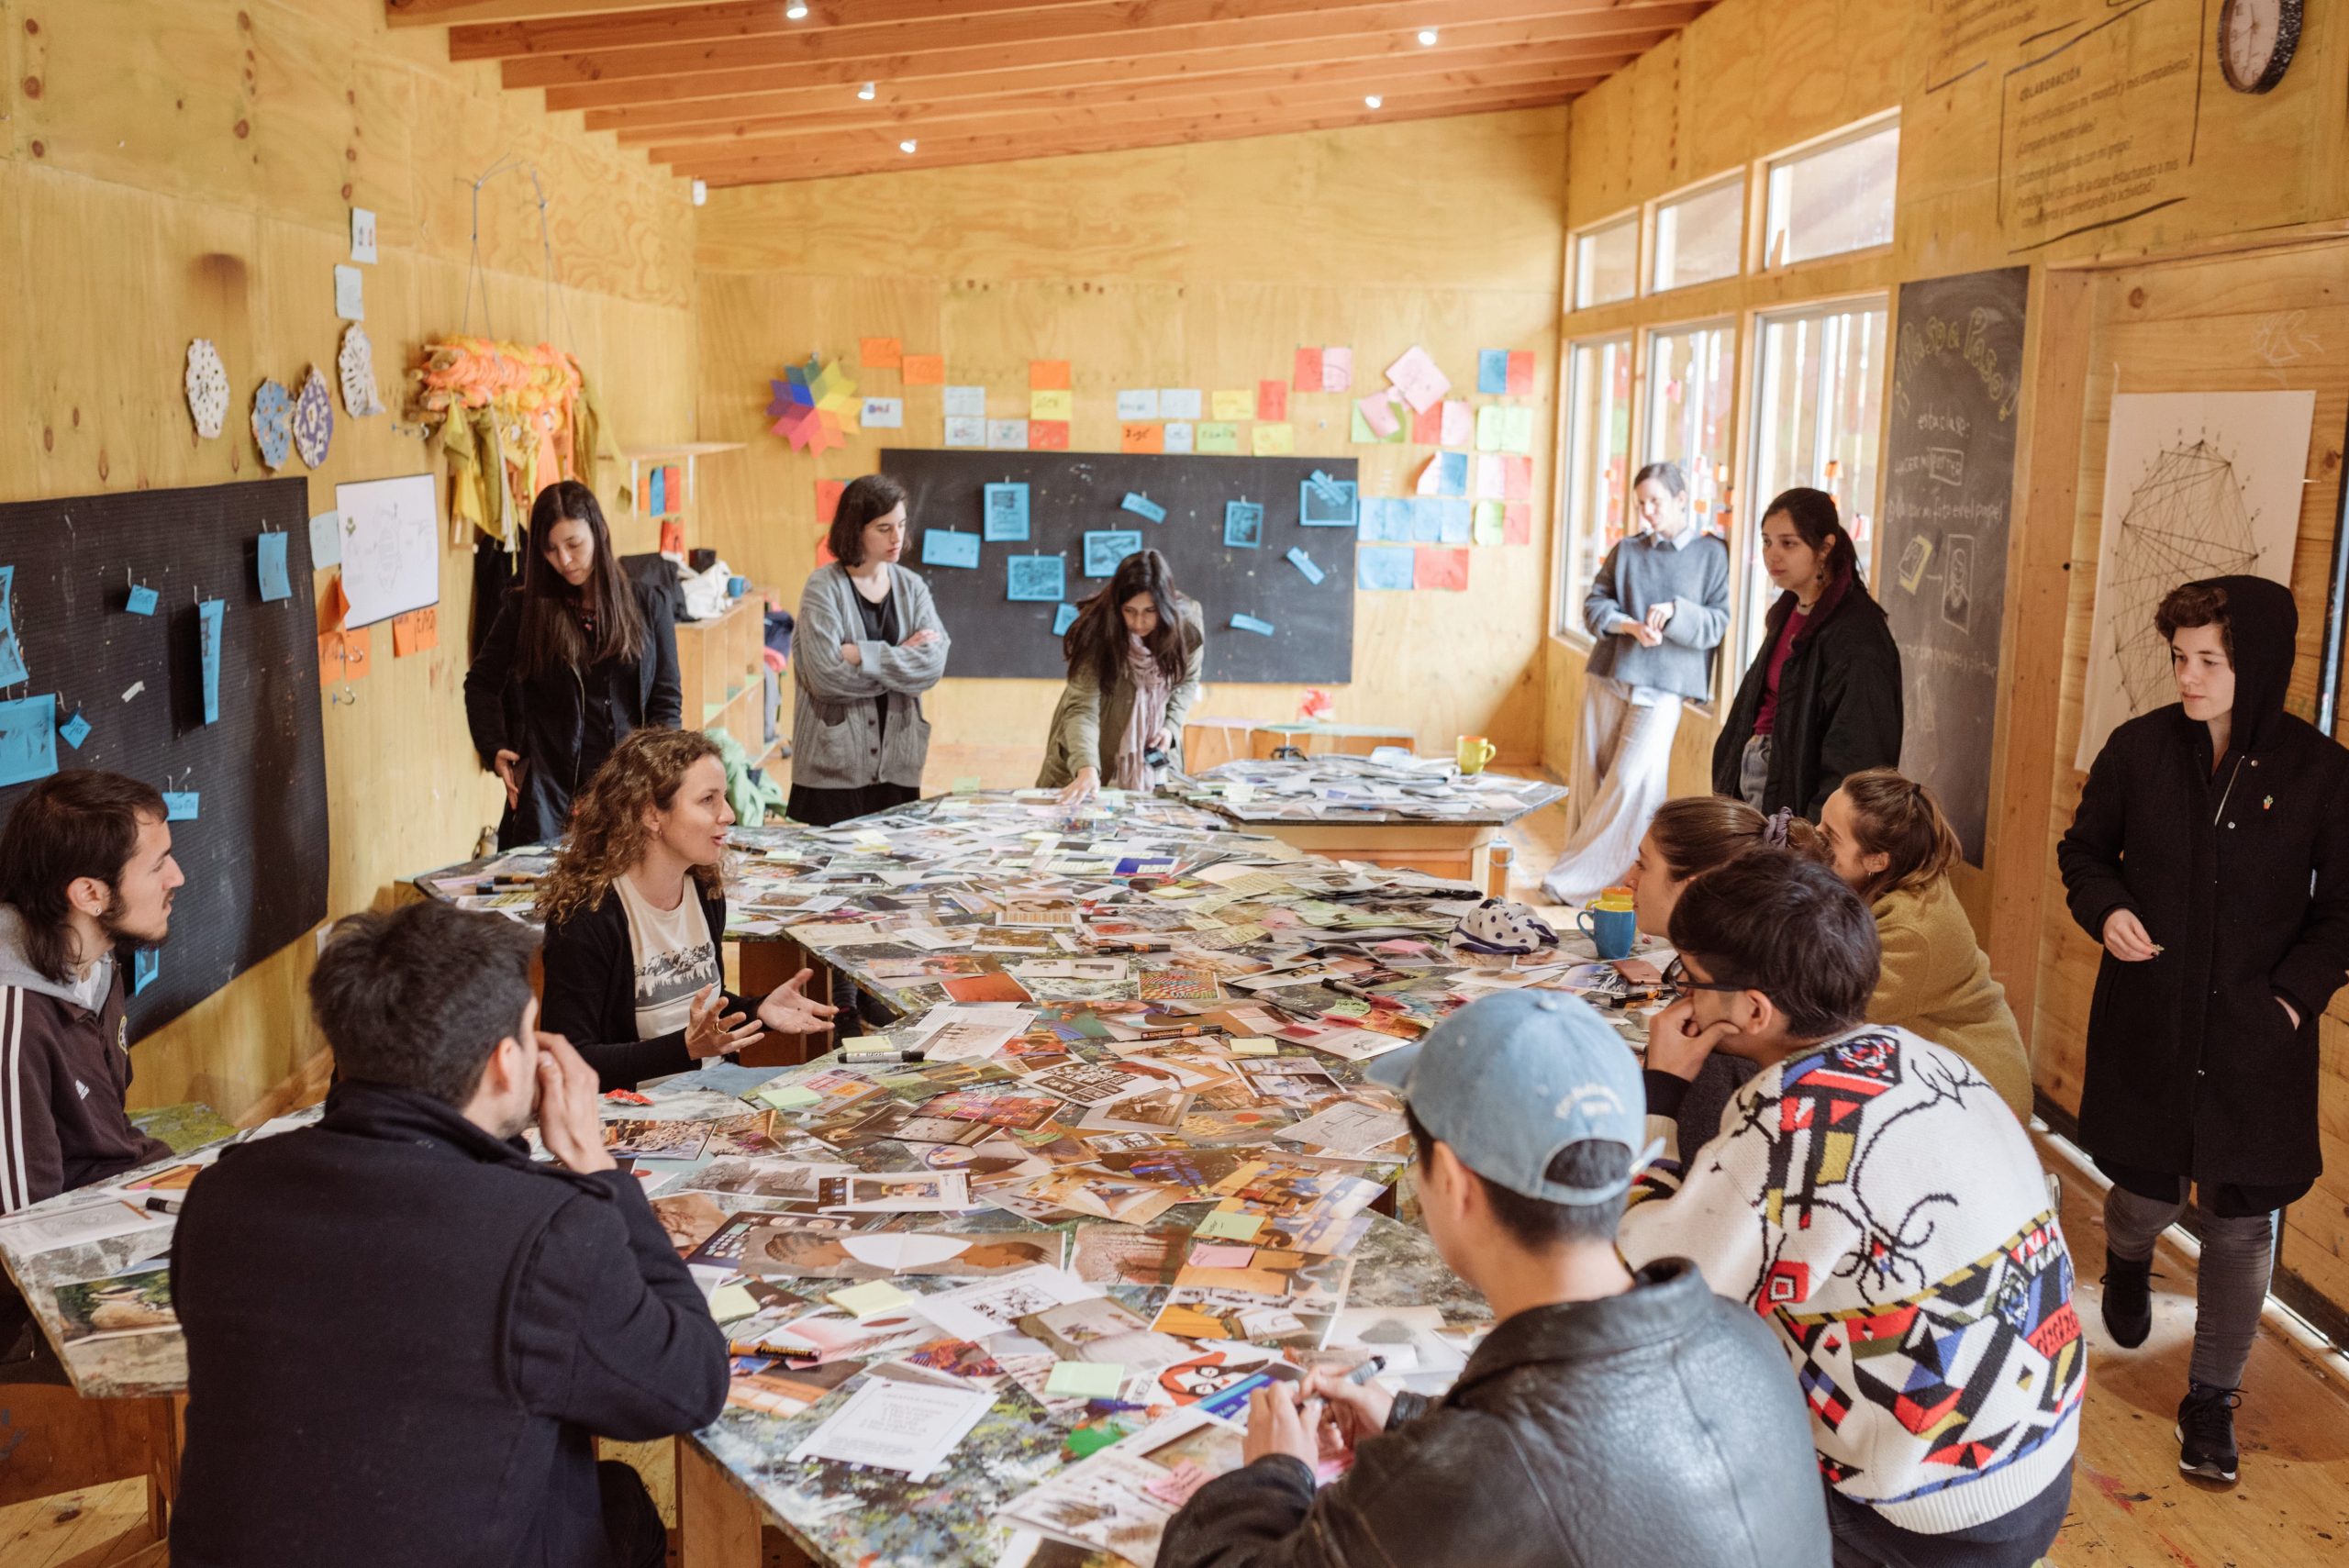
(1628,218)
(1643,377)
(1759,261)
(1567,621)
(1652,213)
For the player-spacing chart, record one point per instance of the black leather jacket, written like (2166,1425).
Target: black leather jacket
(1661,1426)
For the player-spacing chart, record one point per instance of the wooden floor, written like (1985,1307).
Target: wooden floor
(2131,1509)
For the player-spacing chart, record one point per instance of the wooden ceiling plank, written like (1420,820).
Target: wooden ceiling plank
(443,13)
(688,21)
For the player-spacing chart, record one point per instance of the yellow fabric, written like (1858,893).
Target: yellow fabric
(1936,983)
(512,420)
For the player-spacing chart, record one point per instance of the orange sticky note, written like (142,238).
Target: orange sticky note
(880,353)
(418,631)
(1309,370)
(1444,569)
(1141,438)
(338,603)
(1520,373)
(1426,426)
(1272,400)
(1048,435)
(924,369)
(330,658)
(1047,375)
(827,500)
(673,536)
(356,646)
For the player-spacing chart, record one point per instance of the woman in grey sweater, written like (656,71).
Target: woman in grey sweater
(1657,608)
(868,644)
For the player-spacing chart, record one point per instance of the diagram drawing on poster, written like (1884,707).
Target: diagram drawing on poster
(2196,484)
(391,564)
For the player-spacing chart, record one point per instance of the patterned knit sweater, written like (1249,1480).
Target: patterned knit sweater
(1872,1199)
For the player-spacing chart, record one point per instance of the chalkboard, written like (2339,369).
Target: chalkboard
(1941,566)
(255,854)
(1072,494)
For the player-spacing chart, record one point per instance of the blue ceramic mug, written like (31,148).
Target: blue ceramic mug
(1612,931)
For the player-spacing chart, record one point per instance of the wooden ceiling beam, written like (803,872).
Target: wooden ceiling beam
(1008,40)
(691,21)
(443,12)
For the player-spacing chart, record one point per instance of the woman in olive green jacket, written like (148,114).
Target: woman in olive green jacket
(1887,837)
(1134,653)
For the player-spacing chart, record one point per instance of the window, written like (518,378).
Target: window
(1607,262)
(1817,421)
(1698,235)
(1598,455)
(1833,198)
(1690,371)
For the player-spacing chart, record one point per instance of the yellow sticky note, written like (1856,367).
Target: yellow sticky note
(1230,1227)
(870,1298)
(1051,404)
(869,839)
(966,786)
(1239,405)
(867,1042)
(1273,440)
(1085,1380)
(1253,1045)
(790,1096)
(731,1301)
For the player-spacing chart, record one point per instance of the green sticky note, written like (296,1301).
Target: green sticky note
(789,1097)
(966,786)
(729,1301)
(1230,1227)
(871,1297)
(1492,522)
(1085,1380)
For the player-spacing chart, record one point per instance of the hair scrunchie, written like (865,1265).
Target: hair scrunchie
(1778,828)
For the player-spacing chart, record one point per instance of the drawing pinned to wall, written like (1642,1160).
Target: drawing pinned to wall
(209,617)
(1048,435)
(269,557)
(1062,619)
(1326,502)
(1180,403)
(313,419)
(207,388)
(965,402)
(272,424)
(883,413)
(1052,403)
(1243,525)
(1218,439)
(1104,548)
(391,562)
(12,648)
(1139,403)
(1143,507)
(2196,484)
(964,431)
(1039,578)
(1141,435)
(28,738)
(355,368)
(1005,511)
(945,547)
(923,370)
(1337,369)
(1007,435)
(1179,436)
(75,731)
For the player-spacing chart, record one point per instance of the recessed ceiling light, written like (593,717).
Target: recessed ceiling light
(907,145)
(865,92)
(796,10)
(1372,100)
(1427,37)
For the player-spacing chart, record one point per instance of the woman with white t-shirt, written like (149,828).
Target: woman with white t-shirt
(635,909)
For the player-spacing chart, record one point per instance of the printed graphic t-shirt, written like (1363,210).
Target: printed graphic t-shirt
(676,959)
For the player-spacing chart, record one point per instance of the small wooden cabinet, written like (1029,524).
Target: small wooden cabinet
(722,667)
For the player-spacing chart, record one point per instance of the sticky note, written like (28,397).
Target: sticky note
(180,805)
(1233,403)
(1141,436)
(968,401)
(1427,520)
(12,652)
(1516,478)
(1232,1226)
(871,1297)
(1489,424)
(209,616)
(75,731)
(1517,522)
(1048,435)
(1273,440)
(1007,511)
(418,631)
(1308,375)
(1492,372)
(28,738)
(732,1299)
(1252,1045)
(1051,404)
(880,353)
(1489,480)
(1272,400)
(1140,402)
(1488,522)
(362,234)
(1007,435)
(1516,429)
(1220,440)
(349,293)
(1459,426)
(1383,567)
(145,964)
(1373,517)
(828,500)
(965,432)
(883,413)
(270,563)
(142,603)
(1083,1380)
(923,370)
(1035,577)
(789,1096)
(1046,375)
(1249,623)
(1441,569)
(1064,619)
(1520,373)
(1179,402)
(867,1042)
(1243,525)
(945,547)
(1451,475)
(966,786)
(1454,520)
(1337,369)
(1178,436)
(1141,505)
(1374,419)
(1426,426)
(1104,548)
(1415,376)
(1304,563)
(326,540)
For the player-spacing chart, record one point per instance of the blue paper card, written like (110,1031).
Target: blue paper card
(75,730)
(1453,521)
(1007,511)
(1243,525)
(1492,372)
(1035,577)
(12,652)
(658,489)
(142,601)
(1304,563)
(1141,505)
(944,547)
(179,806)
(1249,623)
(1383,567)
(208,619)
(28,738)
(1105,548)
(145,964)
(1326,502)
(275,585)
(1064,619)
(1427,519)
(1452,474)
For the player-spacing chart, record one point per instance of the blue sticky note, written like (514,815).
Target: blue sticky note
(1326,502)
(1373,517)
(12,652)
(1007,512)
(1383,567)
(658,490)
(76,730)
(1454,521)
(1141,505)
(1304,563)
(1064,619)
(179,806)
(28,738)
(1249,623)
(274,582)
(207,621)
(142,601)
(944,547)
(1452,474)
(1104,548)
(1427,519)
(1243,525)
(1035,577)
(1492,372)
(145,964)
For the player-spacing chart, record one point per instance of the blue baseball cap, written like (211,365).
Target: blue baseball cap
(1511,1079)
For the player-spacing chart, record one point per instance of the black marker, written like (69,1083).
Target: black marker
(865,1056)
(1367,1370)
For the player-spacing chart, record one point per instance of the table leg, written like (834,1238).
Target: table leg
(764,965)
(718,1522)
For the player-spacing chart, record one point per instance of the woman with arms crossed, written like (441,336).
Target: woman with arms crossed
(1134,653)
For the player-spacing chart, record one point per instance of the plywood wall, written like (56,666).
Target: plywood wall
(1202,267)
(185,169)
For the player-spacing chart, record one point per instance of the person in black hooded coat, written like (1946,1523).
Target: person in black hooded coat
(2210,856)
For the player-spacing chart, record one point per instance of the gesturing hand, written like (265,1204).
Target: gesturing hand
(567,1124)
(1351,1410)
(1276,1425)
(710,1031)
(2125,938)
(509,773)
(1675,1044)
(787,1010)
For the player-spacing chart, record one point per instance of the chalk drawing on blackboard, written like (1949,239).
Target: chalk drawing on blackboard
(1957,582)
(1915,556)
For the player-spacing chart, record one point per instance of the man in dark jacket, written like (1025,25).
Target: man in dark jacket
(1608,1417)
(2210,856)
(402,1334)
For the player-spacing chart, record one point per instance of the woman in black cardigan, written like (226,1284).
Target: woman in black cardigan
(635,911)
(579,656)
(1822,696)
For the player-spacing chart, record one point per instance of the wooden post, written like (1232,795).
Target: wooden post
(718,1522)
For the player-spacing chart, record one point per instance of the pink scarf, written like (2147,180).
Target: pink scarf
(1143,719)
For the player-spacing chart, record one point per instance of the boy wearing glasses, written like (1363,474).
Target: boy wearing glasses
(1871,1197)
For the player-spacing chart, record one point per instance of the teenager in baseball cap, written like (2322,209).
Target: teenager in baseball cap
(1609,1417)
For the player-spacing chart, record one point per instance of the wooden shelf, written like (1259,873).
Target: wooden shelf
(721,666)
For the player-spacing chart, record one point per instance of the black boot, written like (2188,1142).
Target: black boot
(2128,1299)
(2206,1432)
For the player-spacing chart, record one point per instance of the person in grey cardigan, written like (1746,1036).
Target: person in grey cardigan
(1656,610)
(868,644)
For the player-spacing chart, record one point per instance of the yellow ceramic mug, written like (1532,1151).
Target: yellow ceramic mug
(1473,753)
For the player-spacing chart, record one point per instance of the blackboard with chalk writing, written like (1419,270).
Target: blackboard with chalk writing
(1053,542)
(1949,484)
(217,707)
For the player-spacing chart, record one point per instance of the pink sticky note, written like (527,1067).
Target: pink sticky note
(1459,426)
(1272,400)
(1378,413)
(1517,522)
(1490,481)
(1517,477)
(1520,373)
(1426,426)
(1415,375)
(1309,370)
(1337,369)
(1444,569)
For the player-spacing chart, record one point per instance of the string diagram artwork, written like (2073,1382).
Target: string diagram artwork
(2196,485)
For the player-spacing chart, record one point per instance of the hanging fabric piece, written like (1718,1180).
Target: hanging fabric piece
(513,420)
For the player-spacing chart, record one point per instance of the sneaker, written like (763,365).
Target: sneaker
(2128,1299)
(2206,1432)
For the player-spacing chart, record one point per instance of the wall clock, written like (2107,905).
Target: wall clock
(2256,42)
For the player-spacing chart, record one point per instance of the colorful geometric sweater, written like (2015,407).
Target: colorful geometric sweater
(1881,1208)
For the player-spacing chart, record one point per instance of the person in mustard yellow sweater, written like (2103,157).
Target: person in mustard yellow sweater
(1887,837)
